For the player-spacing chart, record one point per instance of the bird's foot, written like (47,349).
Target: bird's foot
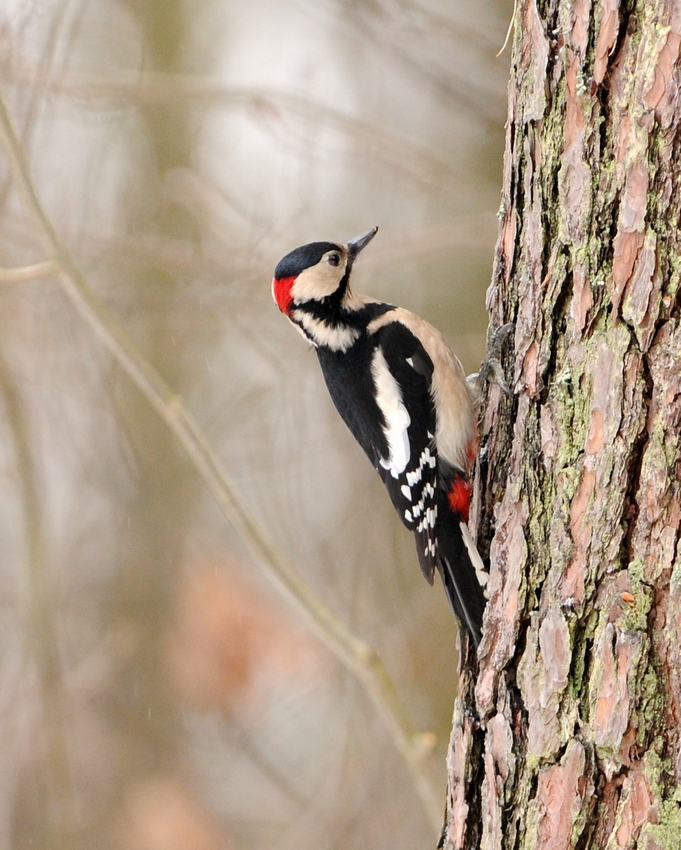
(491,370)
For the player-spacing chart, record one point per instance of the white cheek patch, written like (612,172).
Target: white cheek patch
(317,282)
(389,399)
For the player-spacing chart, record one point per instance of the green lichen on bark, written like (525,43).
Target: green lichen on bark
(665,835)
(583,506)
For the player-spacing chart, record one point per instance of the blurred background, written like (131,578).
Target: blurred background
(156,693)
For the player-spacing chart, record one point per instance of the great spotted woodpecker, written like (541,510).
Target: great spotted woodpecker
(403,393)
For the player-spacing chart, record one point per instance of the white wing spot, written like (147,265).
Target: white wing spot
(414,477)
(407,515)
(406,492)
(389,400)
(410,361)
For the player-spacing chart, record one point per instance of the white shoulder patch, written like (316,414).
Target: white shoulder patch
(389,399)
(456,415)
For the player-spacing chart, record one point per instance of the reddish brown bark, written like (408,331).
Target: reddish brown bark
(568,734)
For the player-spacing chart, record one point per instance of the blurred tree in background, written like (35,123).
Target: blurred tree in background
(156,693)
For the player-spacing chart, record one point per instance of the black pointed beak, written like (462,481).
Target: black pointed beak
(355,245)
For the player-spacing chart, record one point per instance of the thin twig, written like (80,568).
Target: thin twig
(357,656)
(153,87)
(58,808)
(510,29)
(21,274)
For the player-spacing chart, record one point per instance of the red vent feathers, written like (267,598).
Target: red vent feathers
(459,497)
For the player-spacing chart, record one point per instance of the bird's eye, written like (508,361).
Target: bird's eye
(334,259)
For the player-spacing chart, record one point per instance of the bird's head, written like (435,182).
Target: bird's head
(318,271)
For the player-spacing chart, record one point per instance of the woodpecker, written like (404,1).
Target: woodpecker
(403,394)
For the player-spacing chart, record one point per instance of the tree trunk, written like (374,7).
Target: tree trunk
(567,736)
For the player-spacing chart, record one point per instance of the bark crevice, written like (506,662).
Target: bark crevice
(577,502)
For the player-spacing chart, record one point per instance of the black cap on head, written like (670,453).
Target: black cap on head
(302,258)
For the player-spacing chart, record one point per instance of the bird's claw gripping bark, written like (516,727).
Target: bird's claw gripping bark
(491,370)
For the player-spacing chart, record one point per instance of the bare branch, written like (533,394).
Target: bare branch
(400,152)
(36,271)
(358,657)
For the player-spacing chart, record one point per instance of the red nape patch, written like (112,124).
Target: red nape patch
(459,497)
(281,291)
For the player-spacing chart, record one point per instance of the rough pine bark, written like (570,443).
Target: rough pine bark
(567,734)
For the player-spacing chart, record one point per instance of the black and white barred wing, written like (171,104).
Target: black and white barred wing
(402,372)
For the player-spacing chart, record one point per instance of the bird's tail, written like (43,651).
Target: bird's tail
(463,573)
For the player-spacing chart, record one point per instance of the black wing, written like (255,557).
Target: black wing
(413,489)
(394,358)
